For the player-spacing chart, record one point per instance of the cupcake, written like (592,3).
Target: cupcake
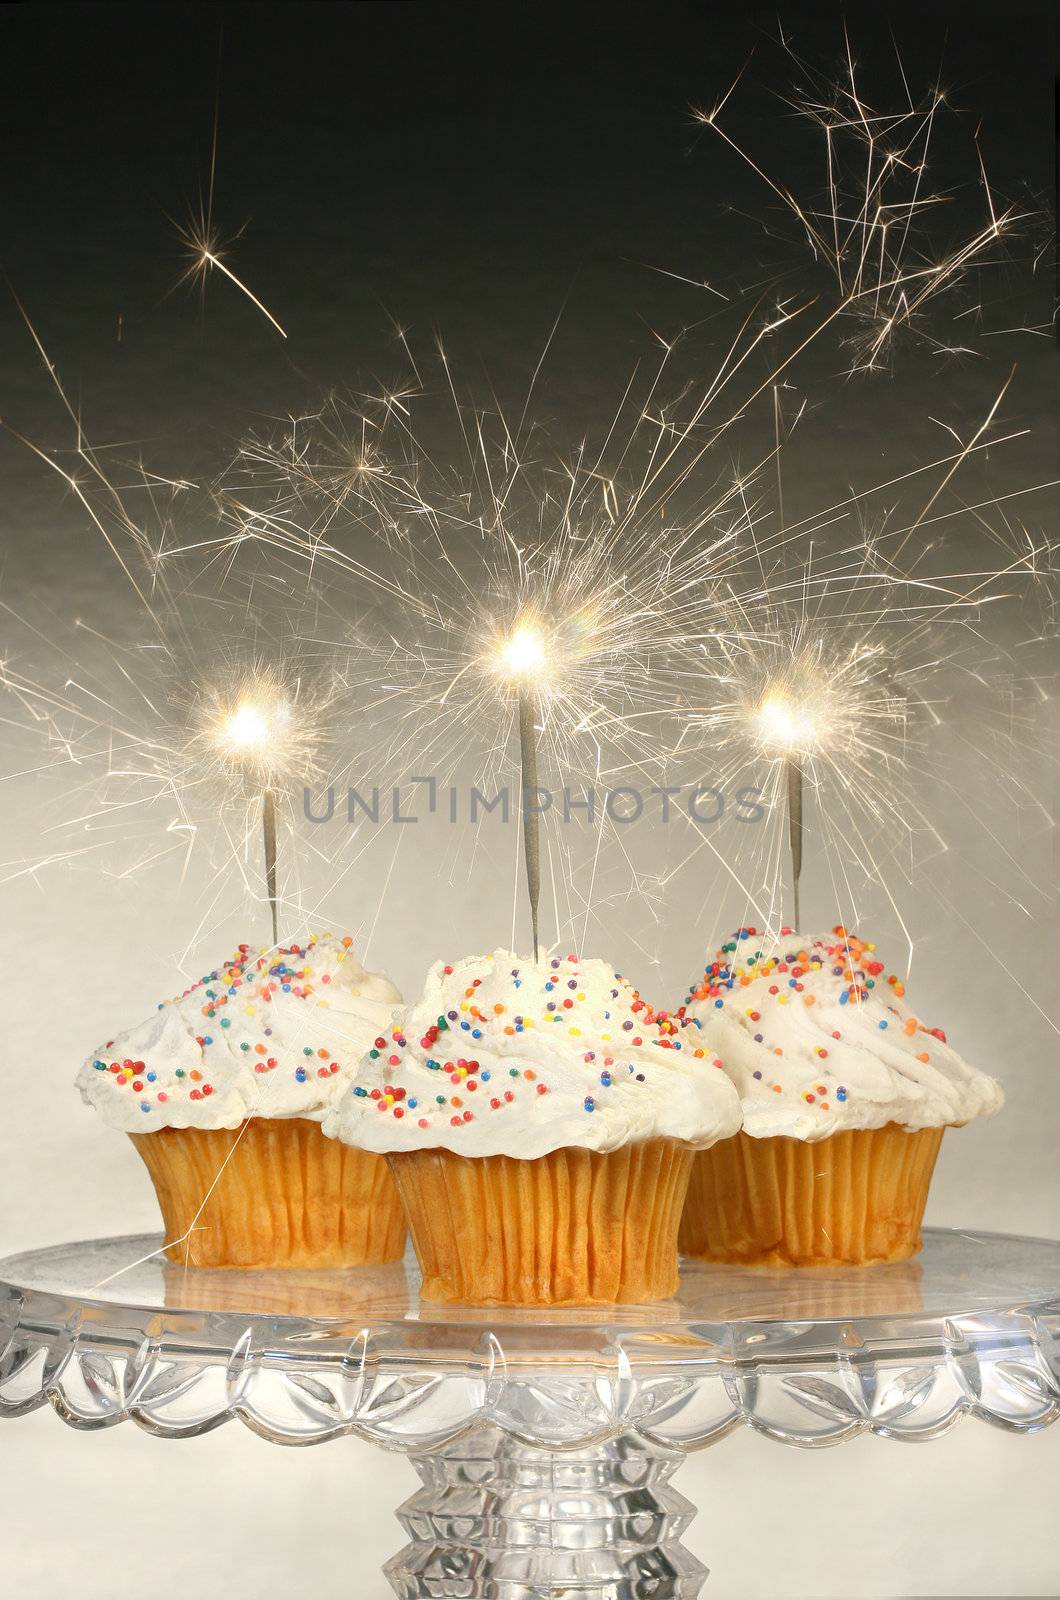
(845,1093)
(540,1125)
(223,1092)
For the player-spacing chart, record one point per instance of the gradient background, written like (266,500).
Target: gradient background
(471,170)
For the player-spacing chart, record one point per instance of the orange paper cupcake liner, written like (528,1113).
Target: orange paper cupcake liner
(273,1193)
(575,1227)
(856,1196)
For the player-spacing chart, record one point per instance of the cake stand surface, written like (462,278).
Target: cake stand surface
(545,1441)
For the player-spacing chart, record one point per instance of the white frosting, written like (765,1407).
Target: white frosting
(272,1033)
(817,1037)
(503,1056)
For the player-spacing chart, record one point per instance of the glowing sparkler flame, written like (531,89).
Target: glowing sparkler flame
(246,727)
(782,723)
(832,695)
(252,729)
(523,656)
(256,729)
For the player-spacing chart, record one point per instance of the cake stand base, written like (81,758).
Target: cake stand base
(500,1520)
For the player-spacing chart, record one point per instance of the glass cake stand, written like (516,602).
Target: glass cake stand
(545,1441)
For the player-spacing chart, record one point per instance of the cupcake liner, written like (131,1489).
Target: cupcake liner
(856,1196)
(574,1227)
(273,1193)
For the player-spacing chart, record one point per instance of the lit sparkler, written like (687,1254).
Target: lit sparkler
(834,702)
(263,739)
(522,664)
(178,744)
(525,587)
(786,725)
(839,689)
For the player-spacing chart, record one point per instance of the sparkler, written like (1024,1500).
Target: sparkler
(841,689)
(259,739)
(824,698)
(787,727)
(534,580)
(522,662)
(178,746)
(794,776)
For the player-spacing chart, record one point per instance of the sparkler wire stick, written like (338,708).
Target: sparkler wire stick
(268,823)
(531,818)
(793,767)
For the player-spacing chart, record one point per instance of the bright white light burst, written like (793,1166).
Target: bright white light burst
(784,724)
(522,657)
(255,730)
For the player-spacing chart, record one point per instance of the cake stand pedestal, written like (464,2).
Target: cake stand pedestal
(545,1442)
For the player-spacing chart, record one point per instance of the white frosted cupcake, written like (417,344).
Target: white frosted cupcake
(223,1091)
(541,1126)
(845,1095)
